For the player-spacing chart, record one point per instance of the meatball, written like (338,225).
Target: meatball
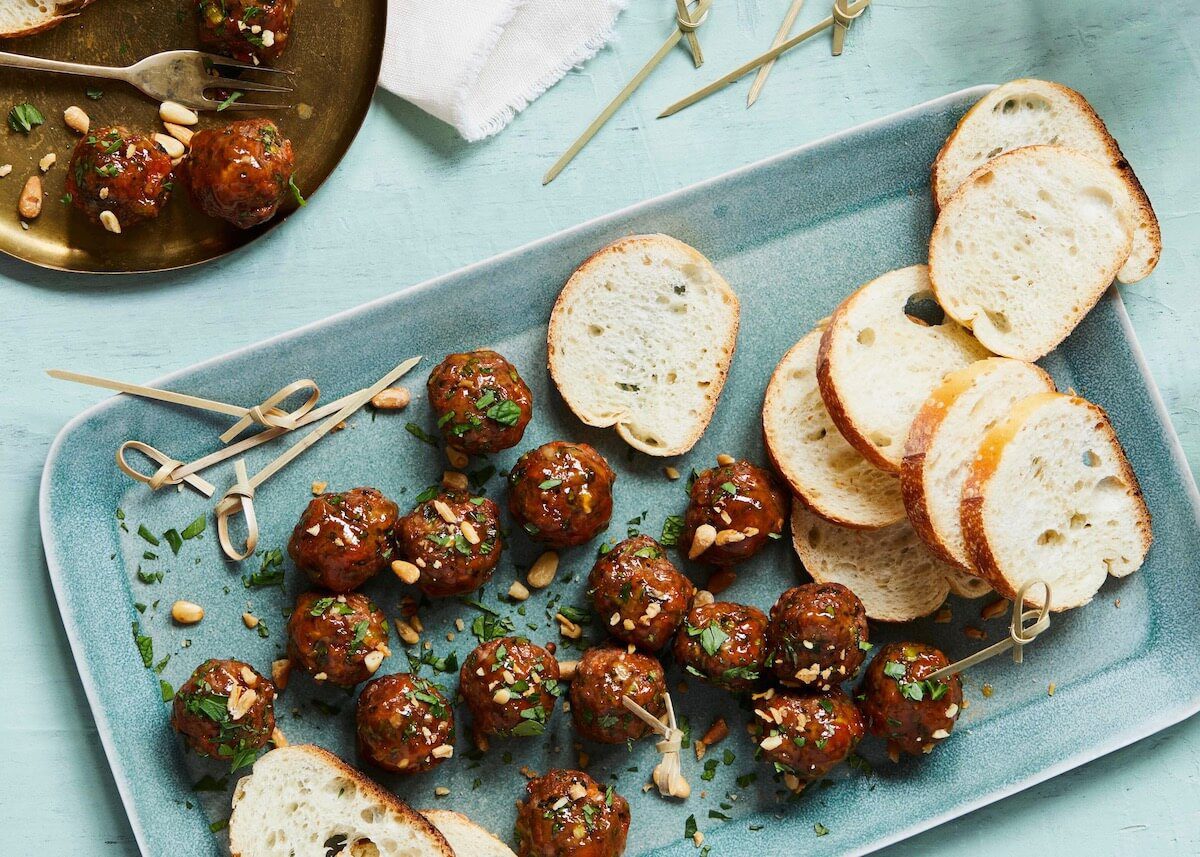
(454,540)
(724,643)
(253,31)
(240,173)
(561,493)
(640,595)
(482,405)
(606,674)
(343,540)
(337,638)
(806,735)
(818,636)
(568,814)
(404,724)
(116,170)
(902,706)
(741,506)
(511,686)
(226,711)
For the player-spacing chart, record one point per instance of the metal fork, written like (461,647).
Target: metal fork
(179,76)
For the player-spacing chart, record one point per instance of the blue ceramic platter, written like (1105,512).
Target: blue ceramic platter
(793,235)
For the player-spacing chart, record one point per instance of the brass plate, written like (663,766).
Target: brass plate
(336,50)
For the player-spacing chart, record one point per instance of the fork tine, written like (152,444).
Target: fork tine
(218,60)
(244,85)
(211,104)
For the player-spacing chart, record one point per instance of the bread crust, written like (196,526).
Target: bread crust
(1146,215)
(62,11)
(921,437)
(554,336)
(788,474)
(460,819)
(1103,280)
(991,450)
(368,787)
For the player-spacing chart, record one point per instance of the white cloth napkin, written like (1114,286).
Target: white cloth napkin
(477,63)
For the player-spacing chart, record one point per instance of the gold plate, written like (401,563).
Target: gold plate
(336,50)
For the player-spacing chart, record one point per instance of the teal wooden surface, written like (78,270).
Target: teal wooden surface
(412,201)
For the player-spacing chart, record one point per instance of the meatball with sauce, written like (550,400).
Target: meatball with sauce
(806,735)
(343,540)
(341,639)
(123,173)
(724,644)
(639,594)
(604,676)
(454,541)
(481,403)
(910,711)
(240,173)
(225,711)
(404,724)
(510,685)
(568,814)
(818,636)
(253,31)
(739,506)
(561,493)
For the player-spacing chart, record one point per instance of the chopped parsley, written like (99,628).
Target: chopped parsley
(24,117)
(145,645)
(270,574)
(194,529)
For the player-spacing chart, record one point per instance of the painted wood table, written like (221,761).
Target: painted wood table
(412,201)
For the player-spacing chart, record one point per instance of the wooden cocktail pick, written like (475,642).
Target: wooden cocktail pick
(781,35)
(668,774)
(1023,629)
(682,25)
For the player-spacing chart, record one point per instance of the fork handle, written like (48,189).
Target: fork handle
(41,64)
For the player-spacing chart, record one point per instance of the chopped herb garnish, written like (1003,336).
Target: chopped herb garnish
(173,539)
(145,645)
(24,117)
(232,97)
(270,574)
(147,535)
(549,483)
(94,94)
(506,413)
(299,197)
(420,434)
(820,829)
(671,530)
(689,827)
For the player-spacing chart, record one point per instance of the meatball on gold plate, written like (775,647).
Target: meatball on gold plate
(115,200)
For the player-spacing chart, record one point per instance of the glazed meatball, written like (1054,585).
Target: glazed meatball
(818,636)
(639,594)
(341,639)
(225,711)
(454,541)
(568,814)
(561,493)
(253,31)
(902,706)
(511,686)
(724,643)
(116,170)
(404,724)
(740,506)
(606,674)
(240,173)
(806,735)
(482,405)
(343,540)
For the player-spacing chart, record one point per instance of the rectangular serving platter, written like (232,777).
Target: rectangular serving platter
(793,235)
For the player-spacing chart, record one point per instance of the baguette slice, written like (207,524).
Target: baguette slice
(26,17)
(466,837)
(1052,496)
(877,364)
(1028,244)
(889,569)
(641,337)
(805,447)
(1037,112)
(943,441)
(298,797)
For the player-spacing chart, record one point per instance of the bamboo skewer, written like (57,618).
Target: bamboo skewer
(693,40)
(764,70)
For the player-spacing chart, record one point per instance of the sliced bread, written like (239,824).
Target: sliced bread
(26,17)
(641,338)
(1028,244)
(889,569)
(826,474)
(1051,496)
(466,837)
(1031,112)
(297,798)
(886,347)
(944,439)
